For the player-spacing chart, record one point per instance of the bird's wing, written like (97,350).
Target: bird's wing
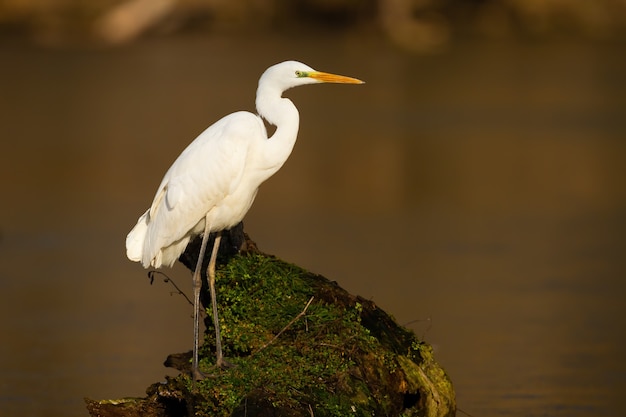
(207,171)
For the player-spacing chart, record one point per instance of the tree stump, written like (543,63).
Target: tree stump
(300,345)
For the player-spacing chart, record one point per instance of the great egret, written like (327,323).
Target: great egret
(212,184)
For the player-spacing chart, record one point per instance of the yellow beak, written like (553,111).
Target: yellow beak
(333,78)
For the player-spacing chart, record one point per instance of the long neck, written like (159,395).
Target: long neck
(283,114)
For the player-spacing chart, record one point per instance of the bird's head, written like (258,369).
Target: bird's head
(290,74)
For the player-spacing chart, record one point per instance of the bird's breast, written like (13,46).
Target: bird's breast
(232,209)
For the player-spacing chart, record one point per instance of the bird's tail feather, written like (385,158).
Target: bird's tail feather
(136,238)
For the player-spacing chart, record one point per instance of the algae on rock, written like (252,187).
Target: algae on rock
(300,346)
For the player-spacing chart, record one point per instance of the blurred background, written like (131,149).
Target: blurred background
(473,188)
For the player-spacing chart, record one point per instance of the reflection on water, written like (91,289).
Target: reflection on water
(477,194)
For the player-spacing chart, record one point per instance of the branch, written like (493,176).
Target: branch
(167,279)
(302,313)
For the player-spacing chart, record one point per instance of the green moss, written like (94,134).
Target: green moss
(327,361)
(301,346)
(258,297)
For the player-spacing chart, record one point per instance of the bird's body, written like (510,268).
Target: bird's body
(212,184)
(216,178)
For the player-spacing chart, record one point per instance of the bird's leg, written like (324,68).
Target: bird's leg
(197,286)
(216,321)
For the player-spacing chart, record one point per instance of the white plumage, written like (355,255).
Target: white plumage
(216,178)
(212,184)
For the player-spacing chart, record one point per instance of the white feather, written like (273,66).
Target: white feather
(217,176)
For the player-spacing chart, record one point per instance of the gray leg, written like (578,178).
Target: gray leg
(216,320)
(197,285)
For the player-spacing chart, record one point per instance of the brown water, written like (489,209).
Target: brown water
(477,195)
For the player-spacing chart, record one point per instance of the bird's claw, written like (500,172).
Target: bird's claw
(196,375)
(224,364)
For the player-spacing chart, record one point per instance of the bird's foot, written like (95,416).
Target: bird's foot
(224,364)
(196,375)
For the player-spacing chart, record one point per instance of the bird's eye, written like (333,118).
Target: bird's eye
(301,74)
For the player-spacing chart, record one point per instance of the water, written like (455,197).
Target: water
(477,195)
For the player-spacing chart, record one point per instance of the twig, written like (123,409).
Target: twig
(428,320)
(464,412)
(168,280)
(302,313)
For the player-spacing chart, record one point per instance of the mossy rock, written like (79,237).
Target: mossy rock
(300,346)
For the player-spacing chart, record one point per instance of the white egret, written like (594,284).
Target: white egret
(212,184)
